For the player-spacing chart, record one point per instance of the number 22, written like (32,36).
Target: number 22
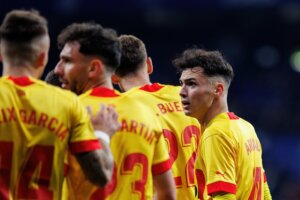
(188,133)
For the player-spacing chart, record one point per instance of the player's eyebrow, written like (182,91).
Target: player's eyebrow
(186,80)
(64,57)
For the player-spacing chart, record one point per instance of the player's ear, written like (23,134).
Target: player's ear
(219,89)
(115,79)
(149,65)
(41,59)
(95,68)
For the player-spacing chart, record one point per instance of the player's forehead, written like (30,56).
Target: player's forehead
(194,73)
(70,49)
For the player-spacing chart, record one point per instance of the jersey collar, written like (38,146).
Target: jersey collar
(103,92)
(21,81)
(151,87)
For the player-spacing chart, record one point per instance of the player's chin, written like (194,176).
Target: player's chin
(65,86)
(190,113)
(187,111)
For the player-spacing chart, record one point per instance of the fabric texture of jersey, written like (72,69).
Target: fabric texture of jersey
(138,150)
(38,122)
(180,131)
(230,159)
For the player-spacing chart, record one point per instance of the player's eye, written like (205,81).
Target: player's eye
(65,60)
(191,83)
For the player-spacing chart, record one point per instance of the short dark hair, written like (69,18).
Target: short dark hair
(94,40)
(134,54)
(212,63)
(18,29)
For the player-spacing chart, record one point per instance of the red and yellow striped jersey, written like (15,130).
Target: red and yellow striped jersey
(230,159)
(180,131)
(138,149)
(38,122)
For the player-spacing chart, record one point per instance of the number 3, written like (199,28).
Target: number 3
(129,162)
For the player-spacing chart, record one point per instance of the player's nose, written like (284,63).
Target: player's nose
(183,91)
(58,70)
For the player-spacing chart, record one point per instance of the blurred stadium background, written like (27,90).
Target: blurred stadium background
(260,38)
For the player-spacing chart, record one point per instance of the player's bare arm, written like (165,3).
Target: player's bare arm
(97,166)
(105,124)
(164,186)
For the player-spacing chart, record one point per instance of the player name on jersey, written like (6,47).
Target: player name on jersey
(252,145)
(170,107)
(138,128)
(8,115)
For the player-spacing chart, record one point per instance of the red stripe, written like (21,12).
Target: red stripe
(221,186)
(232,116)
(21,81)
(103,92)
(151,87)
(161,167)
(178,181)
(84,146)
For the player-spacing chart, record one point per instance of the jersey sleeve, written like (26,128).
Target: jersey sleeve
(161,160)
(218,152)
(82,137)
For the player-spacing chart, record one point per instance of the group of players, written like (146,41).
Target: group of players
(148,141)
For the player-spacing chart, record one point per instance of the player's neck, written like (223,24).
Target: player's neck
(217,108)
(18,71)
(105,83)
(129,82)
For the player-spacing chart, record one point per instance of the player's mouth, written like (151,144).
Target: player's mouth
(64,83)
(185,104)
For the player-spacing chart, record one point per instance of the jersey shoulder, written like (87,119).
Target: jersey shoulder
(161,91)
(35,85)
(228,124)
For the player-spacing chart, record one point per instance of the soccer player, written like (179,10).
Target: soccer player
(230,161)
(38,122)
(89,57)
(180,131)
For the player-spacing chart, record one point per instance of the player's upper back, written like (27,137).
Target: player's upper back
(181,132)
(37,123)
(139,141)
(164,100)
(135,117)
(36,105)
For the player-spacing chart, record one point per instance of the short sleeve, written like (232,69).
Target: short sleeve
(82,137)
(218,154)
(161,160)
